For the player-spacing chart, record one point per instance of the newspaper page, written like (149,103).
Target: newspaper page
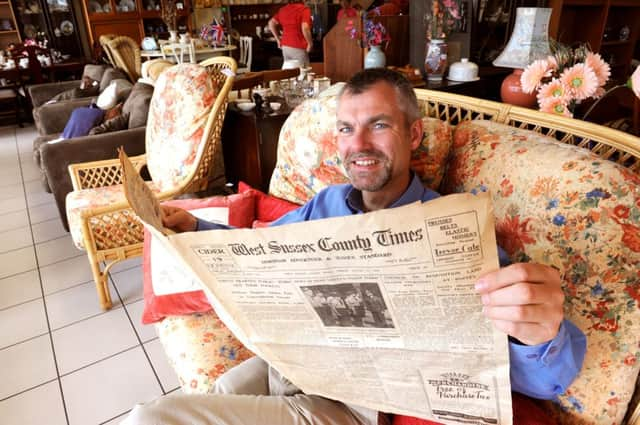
(376,310)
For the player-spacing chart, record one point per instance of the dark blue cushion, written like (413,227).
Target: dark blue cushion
(82,121)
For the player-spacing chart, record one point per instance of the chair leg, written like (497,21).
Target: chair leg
(102,284)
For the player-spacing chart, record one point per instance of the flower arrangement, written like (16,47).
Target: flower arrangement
(372,34)
(443,19)
(168,14)
(565,78)
(213,33)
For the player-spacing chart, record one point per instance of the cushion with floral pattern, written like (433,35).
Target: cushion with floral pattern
(200,348)
(563,206)
(308,159)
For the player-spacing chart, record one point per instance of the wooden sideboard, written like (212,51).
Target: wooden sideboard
(250,144)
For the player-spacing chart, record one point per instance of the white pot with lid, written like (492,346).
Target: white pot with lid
(463,71)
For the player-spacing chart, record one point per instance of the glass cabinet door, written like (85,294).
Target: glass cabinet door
(98,6)
(64,27)
(31,19)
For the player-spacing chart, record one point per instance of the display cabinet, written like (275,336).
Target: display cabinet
(610,27)
(8,26)
(54,20)
(133,18)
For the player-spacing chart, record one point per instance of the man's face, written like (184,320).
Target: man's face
(374,140)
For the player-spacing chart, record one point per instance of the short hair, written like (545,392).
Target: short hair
(405,96)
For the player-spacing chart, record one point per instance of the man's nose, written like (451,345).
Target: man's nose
(361,140)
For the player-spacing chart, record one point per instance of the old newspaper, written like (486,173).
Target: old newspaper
(377,310)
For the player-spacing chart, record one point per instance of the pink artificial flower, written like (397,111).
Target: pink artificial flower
(634,82)
(553,89)
(599,66)
(533,75)
(552,62)
(555,105)
(581,81)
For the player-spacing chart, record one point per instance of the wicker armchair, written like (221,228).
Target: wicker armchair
(125,55)
(183,155)
(104,43)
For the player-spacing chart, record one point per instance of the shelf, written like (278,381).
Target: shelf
(615,43)
(8,32)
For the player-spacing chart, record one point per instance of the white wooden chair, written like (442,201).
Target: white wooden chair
(244,63)
(177,51)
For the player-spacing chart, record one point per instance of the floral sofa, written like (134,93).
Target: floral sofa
(566,193)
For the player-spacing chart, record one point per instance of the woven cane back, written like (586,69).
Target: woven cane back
(125,54)
(607,143)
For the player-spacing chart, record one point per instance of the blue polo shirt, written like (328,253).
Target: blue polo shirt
(540,371)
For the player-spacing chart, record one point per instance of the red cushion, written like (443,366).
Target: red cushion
(268,208)
(157,307)
(526,411)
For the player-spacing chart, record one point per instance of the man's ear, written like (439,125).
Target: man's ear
(415,132)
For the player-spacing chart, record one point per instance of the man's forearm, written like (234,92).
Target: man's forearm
(306,32)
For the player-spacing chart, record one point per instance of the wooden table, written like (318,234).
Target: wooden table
(250,144)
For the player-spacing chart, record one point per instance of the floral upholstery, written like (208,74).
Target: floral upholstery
(186,91)
(308,158)
(199,348)
(79,200)
(580,214)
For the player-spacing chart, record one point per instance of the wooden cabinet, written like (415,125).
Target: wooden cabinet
(8,26)
(610,27)
(246,17)
(133,18)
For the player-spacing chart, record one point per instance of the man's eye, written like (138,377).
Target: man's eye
(345,130)
(380,125)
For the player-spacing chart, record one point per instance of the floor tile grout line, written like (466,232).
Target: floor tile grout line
(135,331)
(44,300)
(93,363)
(28,389)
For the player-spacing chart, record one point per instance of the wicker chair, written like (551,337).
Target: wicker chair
(104,43)
(183,155)
(125,54)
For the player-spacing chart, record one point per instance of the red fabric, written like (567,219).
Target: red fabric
(268,208)
(157,307)
(291,17)
(525,412)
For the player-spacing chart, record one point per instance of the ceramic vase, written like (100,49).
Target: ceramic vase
(435,59)
(511,91)
(375,58)
(173,36)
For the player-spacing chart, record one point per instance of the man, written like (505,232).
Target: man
(376,306)
(379,125)
(296,41)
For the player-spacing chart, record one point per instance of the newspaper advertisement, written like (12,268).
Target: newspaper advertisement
(376,310)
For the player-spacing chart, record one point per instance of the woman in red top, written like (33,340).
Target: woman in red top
(295,21)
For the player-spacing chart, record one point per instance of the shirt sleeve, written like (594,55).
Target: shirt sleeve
(306,16)
(208,225)
(546,370)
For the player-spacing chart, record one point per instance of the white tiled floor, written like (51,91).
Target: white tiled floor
(64,361)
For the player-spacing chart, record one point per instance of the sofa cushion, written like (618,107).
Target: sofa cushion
(182,101)
(268,208)
(118,90)
(117,123)
(200,348)
(109,75)
(308,159)
(137,104)
(88,88)
(157,307)
(563,206)
(95,72)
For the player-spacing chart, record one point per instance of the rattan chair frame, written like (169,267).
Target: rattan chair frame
(104,43)
(126,55)
(125,234)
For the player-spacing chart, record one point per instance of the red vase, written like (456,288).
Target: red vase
(511,91)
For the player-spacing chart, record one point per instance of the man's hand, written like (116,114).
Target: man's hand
(524,300)
(177,219)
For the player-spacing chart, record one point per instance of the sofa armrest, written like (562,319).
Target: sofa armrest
(55,158)
(51,118)
(42,93)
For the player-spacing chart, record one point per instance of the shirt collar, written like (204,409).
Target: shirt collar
(412,194)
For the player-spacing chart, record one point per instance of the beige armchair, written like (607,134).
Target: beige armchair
(125,54)
(183,155)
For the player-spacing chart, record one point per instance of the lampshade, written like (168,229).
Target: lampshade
(529,40)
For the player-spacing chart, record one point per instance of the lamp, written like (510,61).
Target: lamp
(529,41)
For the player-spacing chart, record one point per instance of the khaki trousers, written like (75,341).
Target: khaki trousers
(300,55)
(250,393)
